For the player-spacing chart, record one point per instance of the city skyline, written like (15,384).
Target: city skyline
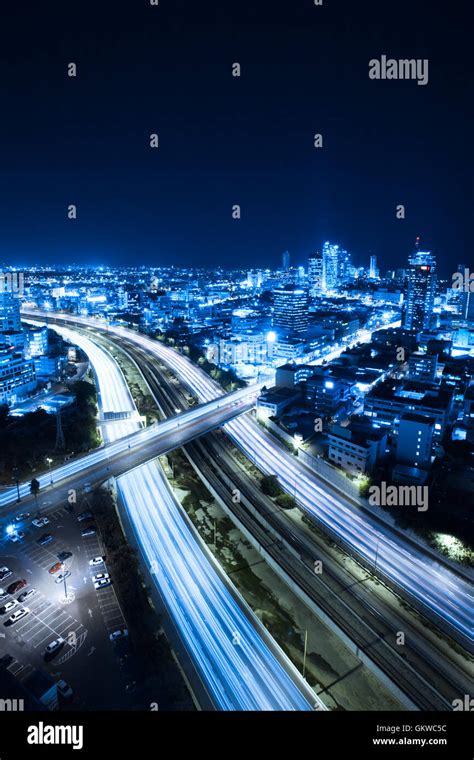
(236,374)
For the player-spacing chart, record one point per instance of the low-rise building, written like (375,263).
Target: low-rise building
(356,451)
(274,401)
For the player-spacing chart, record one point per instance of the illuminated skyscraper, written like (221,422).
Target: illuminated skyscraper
(331,254)
(290,315)
(285,260)
(373,271)
(421,284)
(315,274)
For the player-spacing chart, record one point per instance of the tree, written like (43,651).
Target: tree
(34,489)
(270,486)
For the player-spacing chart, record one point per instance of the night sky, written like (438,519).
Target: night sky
(227,140)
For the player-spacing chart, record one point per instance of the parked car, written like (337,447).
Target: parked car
(13,588)
(120,634)
(62,576)
(101,580)
(46,538)
(96,561)
(26,595)
(22,516)
(63,556)
(17,536)
(64,689)
(90,531)
(55,568)
(54,647)
(18,615)
(5,572)
(84,516)
(8,606)
(40,521)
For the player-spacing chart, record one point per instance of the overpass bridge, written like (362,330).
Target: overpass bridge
(138,448)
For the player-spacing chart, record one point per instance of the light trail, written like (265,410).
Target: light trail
(241,665)
(439,589)
(114,394)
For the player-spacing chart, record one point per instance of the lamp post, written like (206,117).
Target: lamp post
(49,462)
(17,481)
(63,570)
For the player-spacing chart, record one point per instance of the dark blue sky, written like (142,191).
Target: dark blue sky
(224,140)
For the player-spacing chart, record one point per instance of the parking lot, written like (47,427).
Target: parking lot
(106,597)
(71,609)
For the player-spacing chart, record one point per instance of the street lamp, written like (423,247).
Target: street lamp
(63,570)
(17,481)
(49,462)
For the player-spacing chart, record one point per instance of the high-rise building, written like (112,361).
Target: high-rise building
(331,255)
(467,306)
(290,314)
(346,272)
(420,289)
(285,260)
(9,312)
(315,274)
(373,271)
(17,375)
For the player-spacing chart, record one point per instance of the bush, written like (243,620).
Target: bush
(270,485)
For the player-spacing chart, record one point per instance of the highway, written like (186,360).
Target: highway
(113,394)
(240,664)
(425,667)
(448,597)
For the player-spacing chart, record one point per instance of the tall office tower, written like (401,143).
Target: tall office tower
(9,312)
(373,272)
(467,306)
(315,274)
(290,313)
(346,271)
(420,289)
(330,266)
(285,260)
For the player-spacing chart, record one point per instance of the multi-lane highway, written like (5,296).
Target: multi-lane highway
(443,594)
(240,665)
(425,668)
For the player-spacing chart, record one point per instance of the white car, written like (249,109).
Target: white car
(8,606)
(40,521)
(64,689)
(5,572)
(18,615)
(101,580)
(55,645)
(96,561)
(62,576)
